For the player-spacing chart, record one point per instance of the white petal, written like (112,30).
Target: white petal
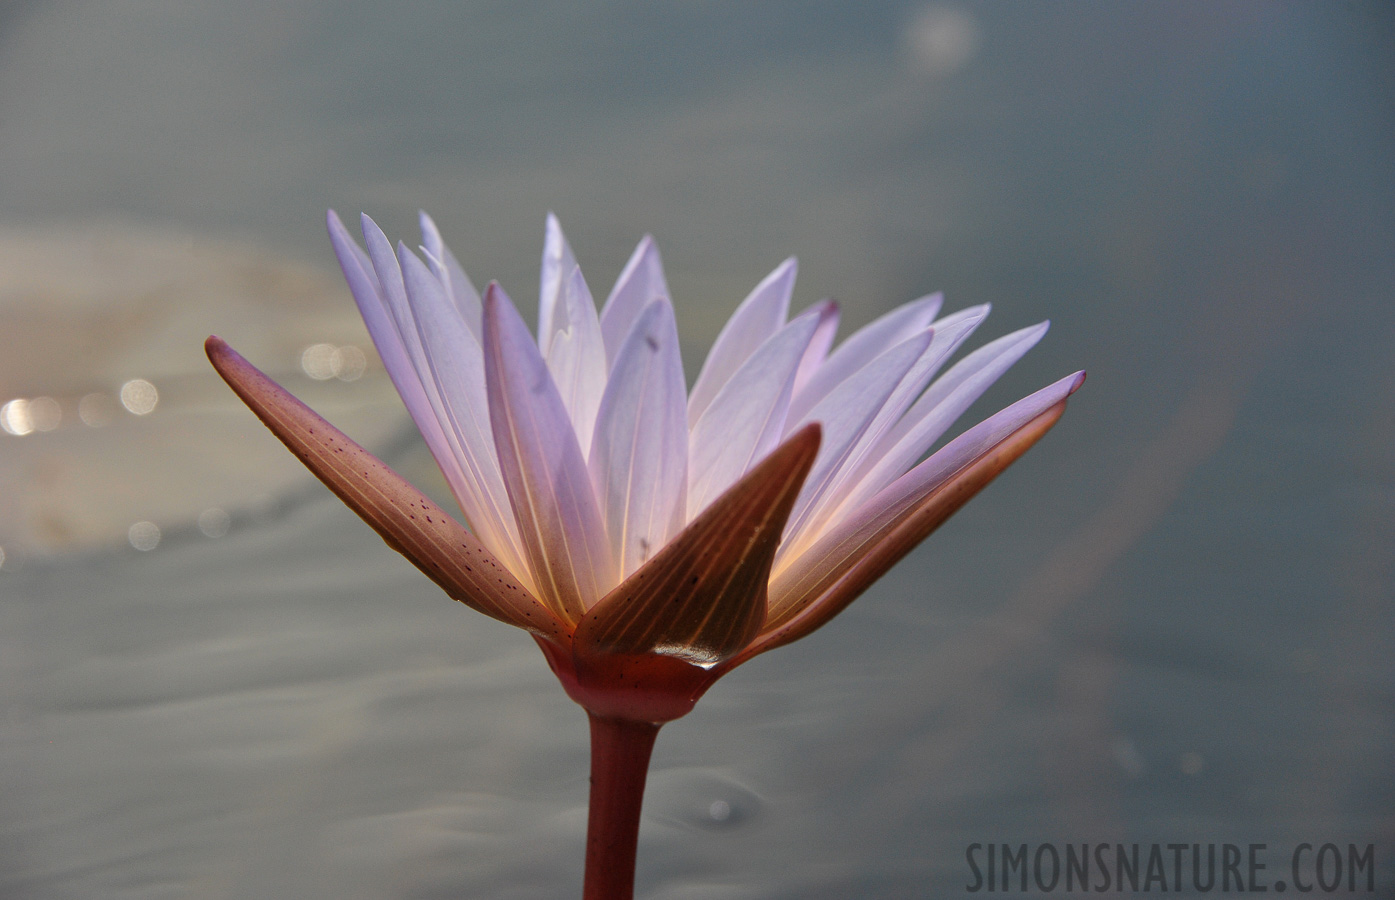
(759,316)
(949,333)
(845,414)
(641,282)
(449,271)
(814,357)
(557,265)
(382,328)
(418,392)
(864,344)
(911,487)
(937,409)
(548,485)
(576,356)
(456,366)
(639,455)
(747,418)
(950,458)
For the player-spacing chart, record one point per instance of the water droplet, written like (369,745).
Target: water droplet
(700,799)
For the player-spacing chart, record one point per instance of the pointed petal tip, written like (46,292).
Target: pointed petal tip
(370,227)
(703,596)
(215,348)
(806,439)
(1079,381)
(411,524)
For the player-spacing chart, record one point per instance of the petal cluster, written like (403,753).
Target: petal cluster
(615,513)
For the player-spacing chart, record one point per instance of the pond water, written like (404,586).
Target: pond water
(1169,623)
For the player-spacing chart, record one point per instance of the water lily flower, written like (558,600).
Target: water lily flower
(652,538)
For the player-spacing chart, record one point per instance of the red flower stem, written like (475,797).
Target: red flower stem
(620,751)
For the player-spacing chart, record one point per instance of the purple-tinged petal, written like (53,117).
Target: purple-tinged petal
(863,545)
(576,356)
(549,487)
(409,522)
(949,333)
(641,282)
(861,346)
(937,409)
(558,261)
(814,357)
(759,316)
(449,271)
(747,418)
(845,413)
(392,348)
(639,454)
(455,365)
(702,598)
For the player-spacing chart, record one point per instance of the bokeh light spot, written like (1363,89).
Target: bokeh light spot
(14,417)
(45,413)
(139,396)
(214,522)
(96,409)
(352,362)
(941,40)
(144,535)
(319,361)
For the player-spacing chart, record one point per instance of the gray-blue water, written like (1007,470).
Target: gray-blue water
(1170,622)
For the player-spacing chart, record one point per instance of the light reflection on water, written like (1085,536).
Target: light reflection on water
(1169,622)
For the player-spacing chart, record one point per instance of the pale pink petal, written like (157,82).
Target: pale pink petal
(862,346)
(747,418)
(449,271)
(392,348)
(382,326)
(702,597)
(938,408)
(844,415)
(544,472)
(814,357)
(759,316)
(455,364)
(639,455)
(558,262)
(576,356)
(949,333)
(641,282)
(854,534)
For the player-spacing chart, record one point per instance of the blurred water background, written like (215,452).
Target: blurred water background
(1170,622)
